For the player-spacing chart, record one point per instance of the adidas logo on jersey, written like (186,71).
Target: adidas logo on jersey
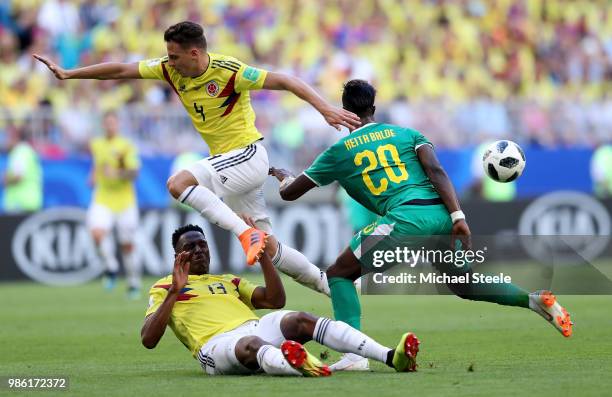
(223,179)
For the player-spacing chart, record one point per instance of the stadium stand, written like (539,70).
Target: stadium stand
(463,72)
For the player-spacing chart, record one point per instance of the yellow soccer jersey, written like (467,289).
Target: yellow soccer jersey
(217,101)
(207,306)
(112,155)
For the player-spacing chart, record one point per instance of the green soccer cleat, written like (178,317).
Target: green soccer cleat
(305,363)
(404,357)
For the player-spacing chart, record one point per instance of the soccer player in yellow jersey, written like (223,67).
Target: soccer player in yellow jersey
(115,166)
(212,316)
(214,89)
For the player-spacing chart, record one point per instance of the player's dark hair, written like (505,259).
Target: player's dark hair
(182,230)
(186,34)
(358,97)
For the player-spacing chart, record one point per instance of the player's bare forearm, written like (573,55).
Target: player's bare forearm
(297,188)
(443,185)
(279,81)
(272,296)
(155,324)
(332,115)
(101,71)
(105,71)
(291,188)
(438,177)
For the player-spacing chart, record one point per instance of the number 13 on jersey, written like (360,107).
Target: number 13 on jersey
(396,172)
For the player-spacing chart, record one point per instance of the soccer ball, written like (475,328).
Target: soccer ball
(504,161)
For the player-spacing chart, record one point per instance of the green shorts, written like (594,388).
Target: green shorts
(358,215)
(403,225)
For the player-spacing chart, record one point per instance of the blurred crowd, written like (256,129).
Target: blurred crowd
(462,72)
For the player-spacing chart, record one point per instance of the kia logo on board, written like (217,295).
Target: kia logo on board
(54,247)
(579,223)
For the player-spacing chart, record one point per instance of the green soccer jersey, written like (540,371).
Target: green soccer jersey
(377,165)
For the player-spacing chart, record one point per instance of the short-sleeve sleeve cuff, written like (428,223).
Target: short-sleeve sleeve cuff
(311,178)
(422,144)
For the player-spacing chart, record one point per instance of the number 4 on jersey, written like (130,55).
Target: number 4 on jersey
(199,110)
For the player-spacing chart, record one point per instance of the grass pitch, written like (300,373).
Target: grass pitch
(467,348)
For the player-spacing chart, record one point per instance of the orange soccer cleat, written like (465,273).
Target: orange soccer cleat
(253,243)
(546,305)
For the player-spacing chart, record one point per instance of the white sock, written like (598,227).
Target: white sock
(343,338)
(133,270)
(212,208)
(106,254)
(272,361)
(294,264)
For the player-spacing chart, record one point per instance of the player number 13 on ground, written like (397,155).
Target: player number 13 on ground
(396,172)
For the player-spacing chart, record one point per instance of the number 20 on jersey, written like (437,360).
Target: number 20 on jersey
(395,172)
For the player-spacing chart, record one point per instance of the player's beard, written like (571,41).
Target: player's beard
(200,267)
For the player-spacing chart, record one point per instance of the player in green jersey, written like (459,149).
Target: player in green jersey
(394,172)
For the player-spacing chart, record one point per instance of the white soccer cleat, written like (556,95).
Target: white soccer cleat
(350,362)
(545,304)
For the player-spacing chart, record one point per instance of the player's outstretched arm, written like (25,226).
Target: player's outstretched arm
(443,185)
(155,324)
(291,188)
(100,71)
(334,116)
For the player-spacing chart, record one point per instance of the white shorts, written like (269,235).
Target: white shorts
(102,217)
(238,177)
(218,355)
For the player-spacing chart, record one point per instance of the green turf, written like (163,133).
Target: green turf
(467,348)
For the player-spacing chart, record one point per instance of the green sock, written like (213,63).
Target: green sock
(503,294)
(345,301)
